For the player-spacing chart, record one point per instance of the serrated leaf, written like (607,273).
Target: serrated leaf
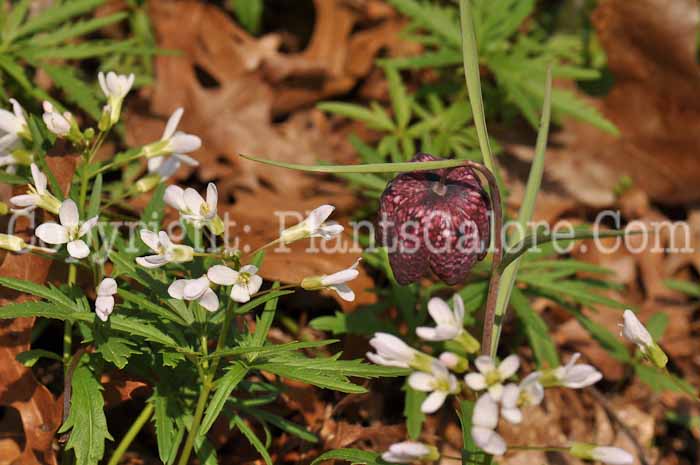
(86,50)
(153,214)
(252,438)
(116,350)
(151,306)
(374,119)
(75,29)
(57,14)
(400,101)
(87,421)
(283,424)
(51,294)
(93,208)
(168,433)
(29,358)
(224,387)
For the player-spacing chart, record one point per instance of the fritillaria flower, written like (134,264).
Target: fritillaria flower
(430,223)
(69,231)
(409,452)
(104,304)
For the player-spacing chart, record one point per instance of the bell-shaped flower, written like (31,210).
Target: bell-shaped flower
(115,87)
(195,289)
(314,225)
(607,455)
(244,282)
(173,142)
(37,195)
(409,452)
(449,324)
(572,375)
(194,209)
(336,281)
(634,331)
(492,376)
(57,123)
(440,383)
(104,304)
(69,231)
(392,351)
(165,250)
(528,392)
(13,126)
(484,423)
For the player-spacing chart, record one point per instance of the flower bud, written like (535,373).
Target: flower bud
(148,183)
(428,222)
(4,208)
(454,362)
(607,455)
(12,243)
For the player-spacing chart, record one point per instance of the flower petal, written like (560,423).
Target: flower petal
(172,123)
(254,284)
(458,308)
(510,395)
(193,201)
(195,288)
(433,402)
(107,287)
(318,216)
(185,143)
(485,412)
(78,249)
(25,200)
(475,381)
(421,381)
(484,364)
(87,226)
(150,238)
(68,213)
(239,293)
(509,366)
(489,440)
(212,197)
(209,300)
(512,415)
(52,233)
(344,292)
(104,306)
(152,261)
(496,391)
(175,197)
(222,275)
(39,178)
(440,311)
(177,289)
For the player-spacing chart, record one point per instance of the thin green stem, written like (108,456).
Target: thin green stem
(68,326)
(196,421)
(221,343)
(269,244)
(130,435)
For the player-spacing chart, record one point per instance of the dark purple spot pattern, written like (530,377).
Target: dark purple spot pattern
(426,227)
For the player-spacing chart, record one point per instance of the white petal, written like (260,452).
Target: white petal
(318,216)
(52,233)
(104,306)
(172,123)
(475,381)
(421,381)
(152,261)
(344,292)
(185,143)
(222,275)
(167,168)
(496,391)
(512,415)
(107,287)
(239,293)
(485,412)
(458,305)
(489,440)
(612,455)
(68,213)
(209,300)
(25,200)
(154,163)
(340,277)
(328,230)
(511,392)
(440,311)
(87,226)
(40,180)
(150,238)
(484,364)
(185,159)
(78,249)
(212,197)
(427,333)
(196,287)
(193,201)
(379,360)
(509,366)
(254,284)
(433,402)
(175,197)
(177,289)
(103,83)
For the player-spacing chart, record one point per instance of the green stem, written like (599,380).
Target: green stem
(221,343)
(68,326)
(131,434)
(196,421)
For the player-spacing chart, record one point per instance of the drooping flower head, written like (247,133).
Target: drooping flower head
(430,225)
(104,304)
(336,281)
(634,331)
(69,231)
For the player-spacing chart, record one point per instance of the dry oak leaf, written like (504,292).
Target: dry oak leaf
(651,50)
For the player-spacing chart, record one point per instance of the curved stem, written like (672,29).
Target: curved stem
(130,435)
(490,315)
(196,421)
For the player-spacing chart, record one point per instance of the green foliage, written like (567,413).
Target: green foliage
(354,456)
(249,13)
(411,410)
(33,42)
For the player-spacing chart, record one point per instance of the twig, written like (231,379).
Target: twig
(623,426)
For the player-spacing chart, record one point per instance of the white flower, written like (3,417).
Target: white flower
(313,225)
(572,375)
(484,423)
(38,195)
(454,362)
(115,87)
(167,166)
(13,125)
(634,330)
(409,452)
(57,123)
(490,376)
(450,324)
(194,208)
(393,352)
(195,289)
(166,251)
(104,304)
(336,281)
(528,392)
(244,283)
(440,383)
(69,231)
(173,142)
(607,455)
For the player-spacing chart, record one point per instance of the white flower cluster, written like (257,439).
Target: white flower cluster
(498,396)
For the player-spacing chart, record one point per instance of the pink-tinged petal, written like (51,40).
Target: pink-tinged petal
(184,143)
(193,201)
(209,300)
(512,415)
(195,288)
(172,123)
(485,412)
(152,261)
(68,214)
(222,275)
(254,284)
(52,233)
(78,249)
(379,360)
(318,216)
(177,289)
(433,402)
(104,306)
(489,440)
(427,333)
(164,240)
